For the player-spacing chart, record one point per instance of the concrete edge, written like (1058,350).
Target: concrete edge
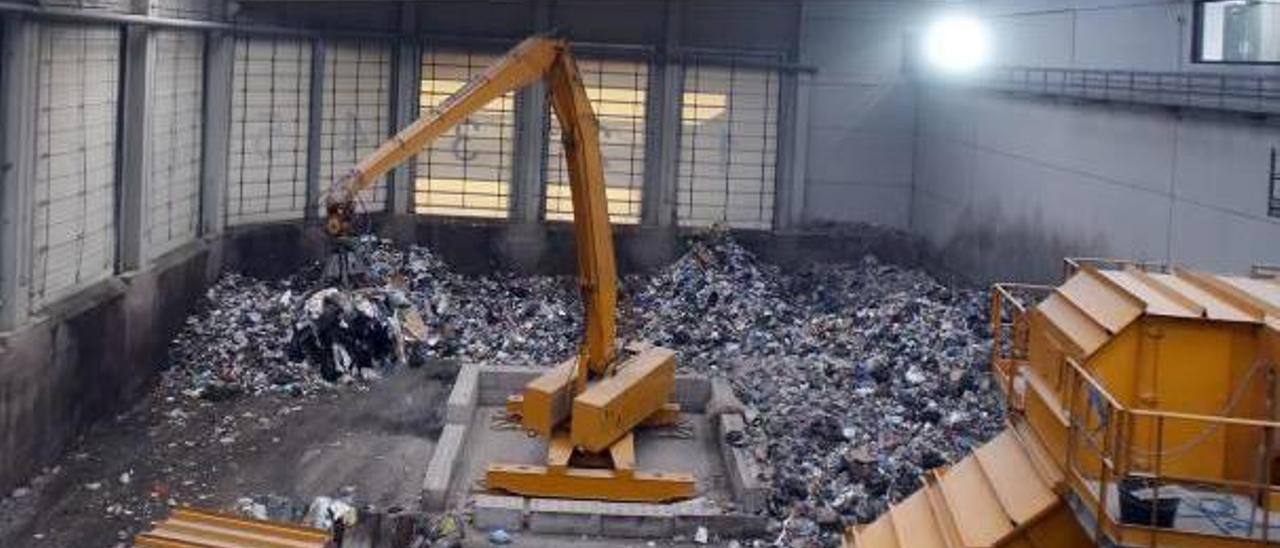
(740,465)
(464,396)
(444,462)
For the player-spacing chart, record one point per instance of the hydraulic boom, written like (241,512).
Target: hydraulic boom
(587,407)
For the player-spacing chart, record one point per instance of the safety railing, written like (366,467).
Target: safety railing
(1134,469)
(1265,271)
(1071,265)
(1009,305)
(1245,94)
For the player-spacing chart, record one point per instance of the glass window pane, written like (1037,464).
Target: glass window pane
(1239,31)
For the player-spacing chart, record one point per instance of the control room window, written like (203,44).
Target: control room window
(1237,31)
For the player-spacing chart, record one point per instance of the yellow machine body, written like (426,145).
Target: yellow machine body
(601,397)
(1135,394)
(194,528)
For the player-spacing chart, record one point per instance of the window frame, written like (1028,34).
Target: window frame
(1197,39)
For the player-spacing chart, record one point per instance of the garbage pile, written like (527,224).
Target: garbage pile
(858,377)
(297,336)
(236,343)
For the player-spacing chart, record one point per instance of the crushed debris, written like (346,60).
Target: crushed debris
(858,377)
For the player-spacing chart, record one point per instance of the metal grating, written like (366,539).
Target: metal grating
(175,135)
(74,233)
(467,172)
(618,91)
(356,111)
(728,147)
(267,171)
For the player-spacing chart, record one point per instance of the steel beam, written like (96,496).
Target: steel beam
(135,148)
(20,40)
(219,61)
(531,137)
(406,76)
(315,129)
(663,146)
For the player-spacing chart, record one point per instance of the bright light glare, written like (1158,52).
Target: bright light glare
(957,44)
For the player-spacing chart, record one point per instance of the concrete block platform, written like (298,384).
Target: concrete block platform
(477,435)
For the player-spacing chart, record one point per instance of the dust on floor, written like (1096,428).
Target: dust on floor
(373,444)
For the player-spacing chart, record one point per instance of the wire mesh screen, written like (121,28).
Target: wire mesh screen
(728,147)
(355,114)
(618,91)
(467,171)
(267,169)
(74,211)
(175,135)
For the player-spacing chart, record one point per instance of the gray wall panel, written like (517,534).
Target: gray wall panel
(1005,186)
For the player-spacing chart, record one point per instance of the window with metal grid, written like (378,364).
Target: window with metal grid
(728,147)
(267,171)
(175,136)
(74,236)
(618,91)
(356,111)
(467,171)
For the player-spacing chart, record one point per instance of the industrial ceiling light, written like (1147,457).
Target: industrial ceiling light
(957,44)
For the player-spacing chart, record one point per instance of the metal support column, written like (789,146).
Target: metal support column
(531,134)
(315,129)
(219,61)
(793,134)
(663,145)
(135,146)
(406,76)
(793,137)
(18,77)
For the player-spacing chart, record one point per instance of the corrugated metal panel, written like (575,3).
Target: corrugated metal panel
(618,91)
(270,106)
(728,147)
(467,172)
(175,135)
(74,218)
(356,111)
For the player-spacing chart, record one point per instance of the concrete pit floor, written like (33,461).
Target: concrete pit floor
(373,442)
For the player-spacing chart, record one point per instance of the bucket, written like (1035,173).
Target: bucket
(1136,509)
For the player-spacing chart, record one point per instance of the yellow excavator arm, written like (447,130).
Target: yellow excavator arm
(533,59)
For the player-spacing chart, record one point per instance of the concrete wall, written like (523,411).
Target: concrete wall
(1006,186)
(861,117)
(90,357)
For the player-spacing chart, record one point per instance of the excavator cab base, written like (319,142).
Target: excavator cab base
(591,454)
(573,474)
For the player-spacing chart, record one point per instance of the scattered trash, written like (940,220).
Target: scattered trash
(701,536)
(499,537)
(327,513)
